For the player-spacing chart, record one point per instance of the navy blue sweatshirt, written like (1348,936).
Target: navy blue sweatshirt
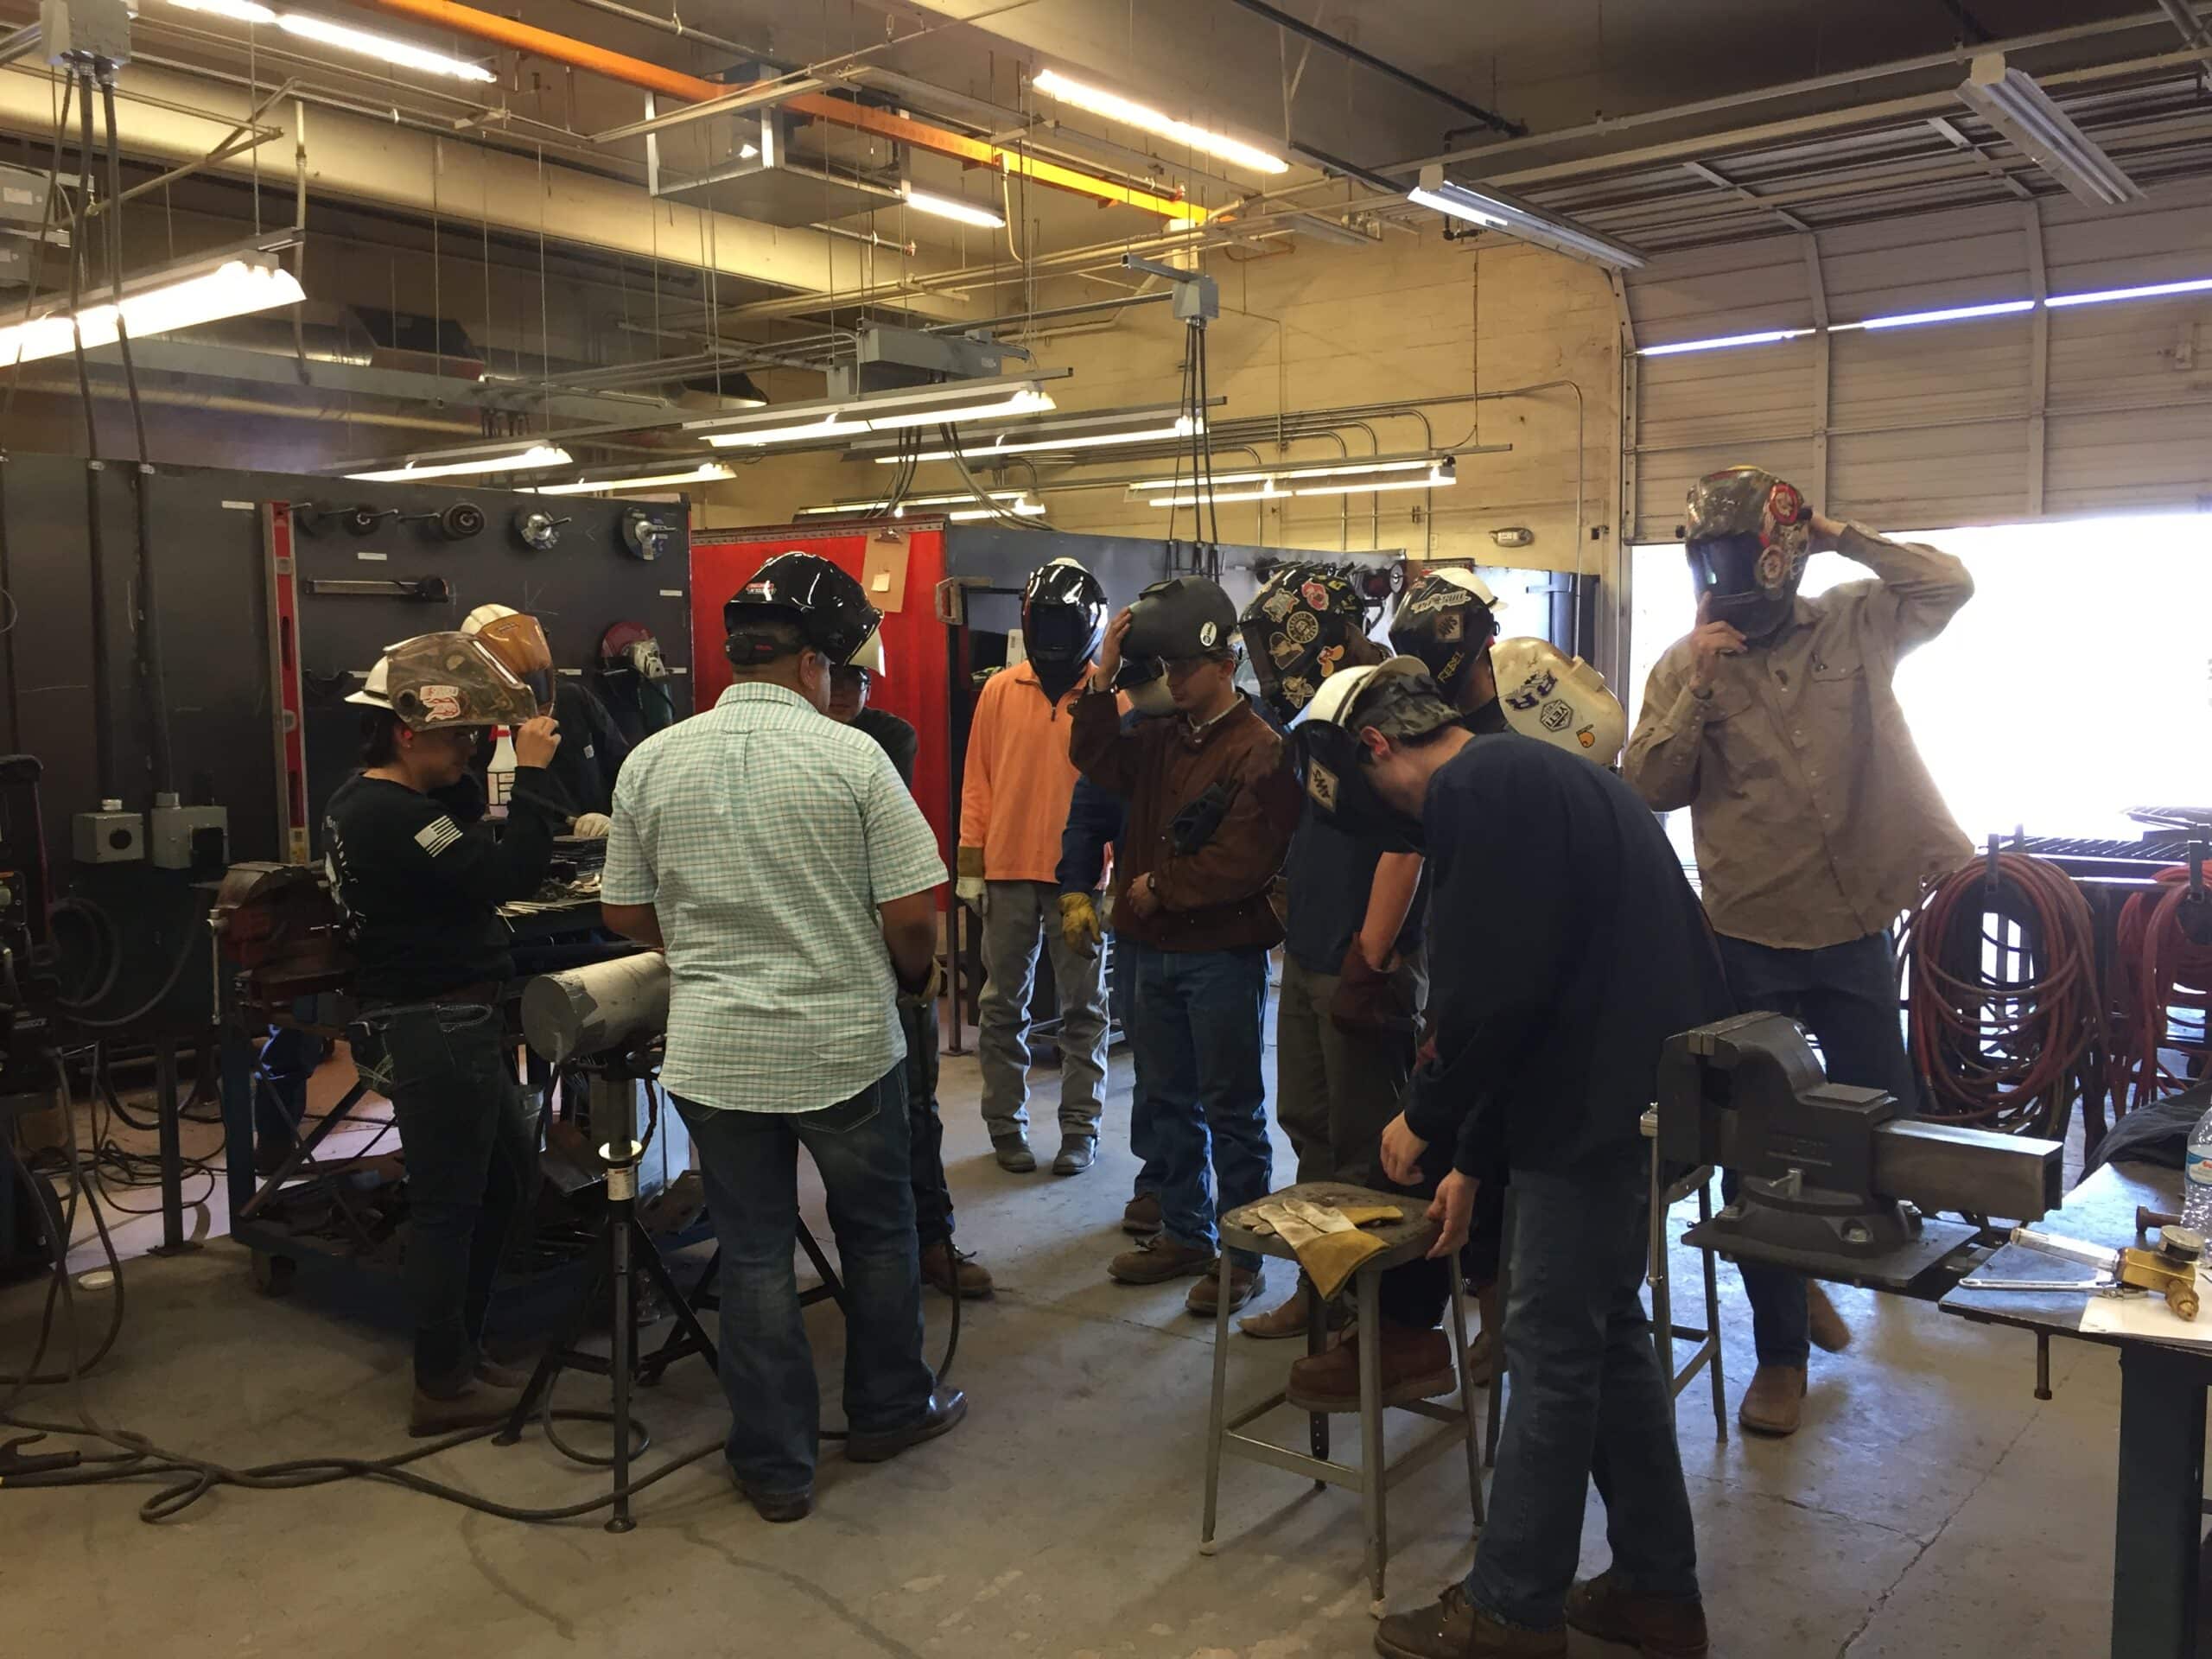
(1565,948)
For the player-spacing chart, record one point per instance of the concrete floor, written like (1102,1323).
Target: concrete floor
(1929,1507)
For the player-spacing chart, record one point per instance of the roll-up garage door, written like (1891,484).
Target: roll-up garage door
(2079,398)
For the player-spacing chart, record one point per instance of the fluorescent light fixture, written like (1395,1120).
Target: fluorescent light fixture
(159,305)
(239,11)
(1219,498)
(513,460)
(1297,473)
(1439,478)
(2008,100)
(2106,296)
(945,402)
(1320,480)
(827,427)
(1951,313)
(1683,348)
(1026,506)
(1496,212)
(1027,401)
(1182,427)
(401,54)
(706,472)
(928,202)
(951,499)
(1127,112)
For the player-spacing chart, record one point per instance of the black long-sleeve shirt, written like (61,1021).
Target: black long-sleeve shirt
(591,748)
(896,738)
(420,893)
(1565,948)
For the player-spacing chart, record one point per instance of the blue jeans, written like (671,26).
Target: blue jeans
(749,1162)
(1121,997)
(1586,1399)
(1199,1044)
(1847,996)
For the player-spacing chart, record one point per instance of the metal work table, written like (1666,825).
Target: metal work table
(2157,1532)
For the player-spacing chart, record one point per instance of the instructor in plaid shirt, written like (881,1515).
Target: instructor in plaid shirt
(777,858)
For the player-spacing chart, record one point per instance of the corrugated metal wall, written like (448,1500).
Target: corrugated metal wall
(2039,414)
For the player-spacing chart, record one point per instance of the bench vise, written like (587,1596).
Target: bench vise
(1836,1181)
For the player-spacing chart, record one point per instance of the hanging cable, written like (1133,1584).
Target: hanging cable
(2162,986)
(2007,1024)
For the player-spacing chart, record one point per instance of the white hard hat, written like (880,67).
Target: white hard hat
(373,694)
(1558,699)
(1460,577)
(483,615)
(1335,695)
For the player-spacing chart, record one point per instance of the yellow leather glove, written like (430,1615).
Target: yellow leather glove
(1080,924)
(1328,1240)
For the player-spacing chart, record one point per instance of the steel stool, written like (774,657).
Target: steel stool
(1665,1333)
(1403,1241)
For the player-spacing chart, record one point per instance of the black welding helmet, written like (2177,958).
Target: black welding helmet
(1180,618)
(833,614)
(1747,536)
(1446,619)
(1398,698)
(1063,620)
(1306,623)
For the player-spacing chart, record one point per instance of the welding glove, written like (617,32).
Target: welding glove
(593,825)
(1328,1239)
(1369,1001)
(968,886)
(1080,925)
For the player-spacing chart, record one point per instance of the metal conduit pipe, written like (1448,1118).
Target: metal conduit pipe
(221,403)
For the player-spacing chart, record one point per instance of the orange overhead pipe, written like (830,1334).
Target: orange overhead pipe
(673,83)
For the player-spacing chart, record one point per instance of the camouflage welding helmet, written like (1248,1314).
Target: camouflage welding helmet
(437,680)
(1306,622)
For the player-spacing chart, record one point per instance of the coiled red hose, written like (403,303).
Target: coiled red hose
(2007,1018)
(2158,971)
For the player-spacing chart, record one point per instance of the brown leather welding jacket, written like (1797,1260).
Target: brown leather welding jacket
(1213,898)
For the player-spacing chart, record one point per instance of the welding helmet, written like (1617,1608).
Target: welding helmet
(1063,620)
(1447,619)
(1397,697)
(1558,699)
(833,614)
(1181,618)
(440,680)
(375,692)
(1145,681)
(1747,536)
(519,642)
(1306,623)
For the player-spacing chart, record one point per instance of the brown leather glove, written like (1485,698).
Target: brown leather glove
(1369,1003)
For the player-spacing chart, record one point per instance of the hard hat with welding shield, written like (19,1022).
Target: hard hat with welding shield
(518,641)
(454,679)
(1398,698)
(1748,534)
(1558,699)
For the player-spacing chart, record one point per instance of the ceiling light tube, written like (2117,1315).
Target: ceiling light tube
(239,11)
(1183,427)
(1021,508)
(1683,348)
(706,472)
(1493,211)
(158,303)
(928,202)
(2105,296)
(387,48)
(1128,112)
(835,418)
(1029,401)
(1442,479)
(1951,313)
(1219,498)
(1294,473)
(2022,113)
(827,427)
(535,456)
(951,499)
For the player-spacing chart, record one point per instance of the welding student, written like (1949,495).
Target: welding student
(1352,979)
(418,882)
(591,757)
(777,858)
(1204,838)
(1014,804)
(1565,948)
(1776,721)
(950,1269)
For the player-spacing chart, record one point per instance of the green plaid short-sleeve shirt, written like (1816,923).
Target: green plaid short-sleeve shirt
(765,834)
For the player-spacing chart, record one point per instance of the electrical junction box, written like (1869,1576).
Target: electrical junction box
(74,31)
(23,196)
(196,838)
(110,835)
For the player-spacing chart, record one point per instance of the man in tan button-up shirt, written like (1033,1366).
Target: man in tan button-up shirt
(1815,821)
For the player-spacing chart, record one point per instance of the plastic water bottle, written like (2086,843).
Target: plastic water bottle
(500,780)
(2196,1189)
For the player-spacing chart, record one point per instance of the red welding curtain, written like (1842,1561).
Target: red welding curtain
(914,685)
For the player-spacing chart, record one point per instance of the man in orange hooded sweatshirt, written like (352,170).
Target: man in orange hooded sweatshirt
(1013,806)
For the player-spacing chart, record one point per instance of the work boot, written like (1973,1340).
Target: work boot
(1774,1401)
(1141,1217)
(1205,1296)
(955,1272)
(1013,1152)
(780,1506)
(1416,1365)
(1455,1628)
(1076,1153)
(947,1407)
(512,1378)
(478,1405)
(1609,1609)
(1824,1324)
(1286,1318)
(1158,1259)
